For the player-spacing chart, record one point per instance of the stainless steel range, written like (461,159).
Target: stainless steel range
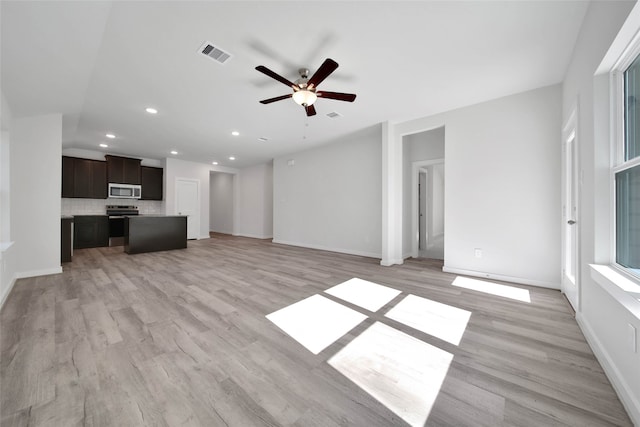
(120,210)
(116,215)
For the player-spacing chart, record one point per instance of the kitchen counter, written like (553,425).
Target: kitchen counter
(150,233)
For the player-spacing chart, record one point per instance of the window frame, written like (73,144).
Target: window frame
(619,164)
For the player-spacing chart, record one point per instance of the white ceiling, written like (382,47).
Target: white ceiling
(102,63)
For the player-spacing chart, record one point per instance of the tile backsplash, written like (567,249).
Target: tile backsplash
(98,206)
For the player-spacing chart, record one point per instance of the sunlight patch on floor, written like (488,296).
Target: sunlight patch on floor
(431,317)
(511,292)
(363,293)
(316,322)
(400,371)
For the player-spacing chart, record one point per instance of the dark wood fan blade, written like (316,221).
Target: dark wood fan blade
(277,98)
(349,97)
(327,67)
(276,76)
(311,110)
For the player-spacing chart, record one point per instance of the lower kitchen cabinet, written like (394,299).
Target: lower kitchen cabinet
(90,231)
(66,237)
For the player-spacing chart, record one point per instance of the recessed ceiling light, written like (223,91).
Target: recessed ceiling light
(103,145)
(110,135)
(235,133)
(174,152)
(214,163)
(151,110)
(232,158)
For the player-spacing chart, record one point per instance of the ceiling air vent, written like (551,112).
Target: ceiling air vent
(334,115)
(214,53)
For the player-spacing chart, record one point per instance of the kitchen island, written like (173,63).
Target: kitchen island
(150,233)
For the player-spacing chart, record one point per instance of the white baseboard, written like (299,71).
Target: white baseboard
(328,249)
(35,273)
(512,279)
(253,236)
(629,401)
(390,262)
(8,291)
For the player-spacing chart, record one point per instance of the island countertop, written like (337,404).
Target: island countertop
(150,233)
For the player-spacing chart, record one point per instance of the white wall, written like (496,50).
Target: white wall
(221,202)
(330,198)
(7,259)
(436,187)
(601,317)
(502,190)
(36,174)
(268,200)
(255,189)
(176,168)
(427,145)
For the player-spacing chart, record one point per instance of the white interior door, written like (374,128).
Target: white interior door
(188,203)
(570,284)
(423,212)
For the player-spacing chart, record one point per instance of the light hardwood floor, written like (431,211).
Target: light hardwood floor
(180,338)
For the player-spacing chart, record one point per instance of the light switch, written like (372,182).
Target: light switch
(478,252)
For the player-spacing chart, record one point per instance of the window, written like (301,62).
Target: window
(627,177)
(631,112)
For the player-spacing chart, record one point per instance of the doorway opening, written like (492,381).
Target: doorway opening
(221,203)
(423,194)
(430,209)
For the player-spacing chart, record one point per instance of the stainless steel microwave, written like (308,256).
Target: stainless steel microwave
(125,191)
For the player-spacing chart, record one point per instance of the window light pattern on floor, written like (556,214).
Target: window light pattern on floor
(316,322)
(401,372)
(363,293)
(440,320)
(505,291)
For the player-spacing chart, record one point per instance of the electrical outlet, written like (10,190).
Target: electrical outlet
(632,338)
(477,252)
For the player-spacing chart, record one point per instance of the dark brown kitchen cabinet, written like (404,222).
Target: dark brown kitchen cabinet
(123,170)
(152,179)
(66,237)
(67,176)
(84,178)
(90,231)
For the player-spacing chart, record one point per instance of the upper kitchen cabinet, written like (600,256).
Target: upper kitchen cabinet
(84,178)
(67,176)
(152,179)
(123,170)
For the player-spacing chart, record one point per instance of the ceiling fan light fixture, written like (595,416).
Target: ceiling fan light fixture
(304,97)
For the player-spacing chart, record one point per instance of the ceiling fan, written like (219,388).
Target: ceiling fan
(305,90)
